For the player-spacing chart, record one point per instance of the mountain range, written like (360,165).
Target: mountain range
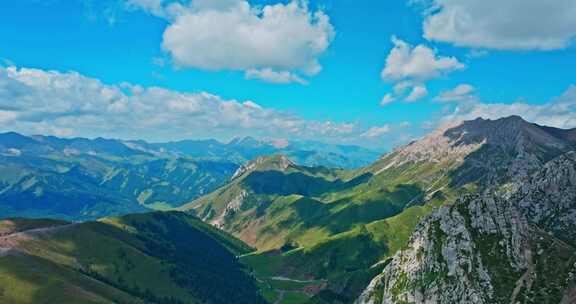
(480,211)
(80,179)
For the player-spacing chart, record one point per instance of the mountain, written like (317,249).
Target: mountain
(336,229)
(513,246)
(148,258)
(272,201)
(80,179)
(453,160)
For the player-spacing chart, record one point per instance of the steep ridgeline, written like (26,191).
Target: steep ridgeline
(515,246)
(148,258)
(337,225)
(82,179)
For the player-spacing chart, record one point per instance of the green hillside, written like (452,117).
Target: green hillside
(328,229)
(158,257)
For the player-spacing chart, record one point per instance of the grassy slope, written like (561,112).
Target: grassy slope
(159,257)
(342,236)
(302,206)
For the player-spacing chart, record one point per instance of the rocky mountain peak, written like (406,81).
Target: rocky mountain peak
(265,163)
(510,141)
(509,133)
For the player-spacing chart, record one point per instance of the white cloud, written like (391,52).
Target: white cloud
(510,24)
(559,112)
(387,99)
(278,42)
(462,92)
(272,76)
(417,93)
(69,104)
(376,131)
(410,67)
(419,63)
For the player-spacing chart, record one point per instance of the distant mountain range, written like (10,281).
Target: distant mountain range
(242,150)
(78,178)
(480,211)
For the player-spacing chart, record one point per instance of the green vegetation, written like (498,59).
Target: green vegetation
(157,257)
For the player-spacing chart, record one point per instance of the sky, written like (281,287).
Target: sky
(370,73)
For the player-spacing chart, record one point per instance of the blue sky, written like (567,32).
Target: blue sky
(501,67)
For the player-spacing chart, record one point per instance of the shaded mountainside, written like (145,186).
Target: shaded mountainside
(148,258)
(335,227)
(494,247)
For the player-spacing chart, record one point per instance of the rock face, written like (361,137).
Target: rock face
(513,246)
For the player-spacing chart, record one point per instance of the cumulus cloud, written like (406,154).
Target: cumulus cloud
(411,66)
(70,104)
(559,112)
(376,131)
(462,92)
(417,92)
(278,42)
(510,24)
(419,63)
